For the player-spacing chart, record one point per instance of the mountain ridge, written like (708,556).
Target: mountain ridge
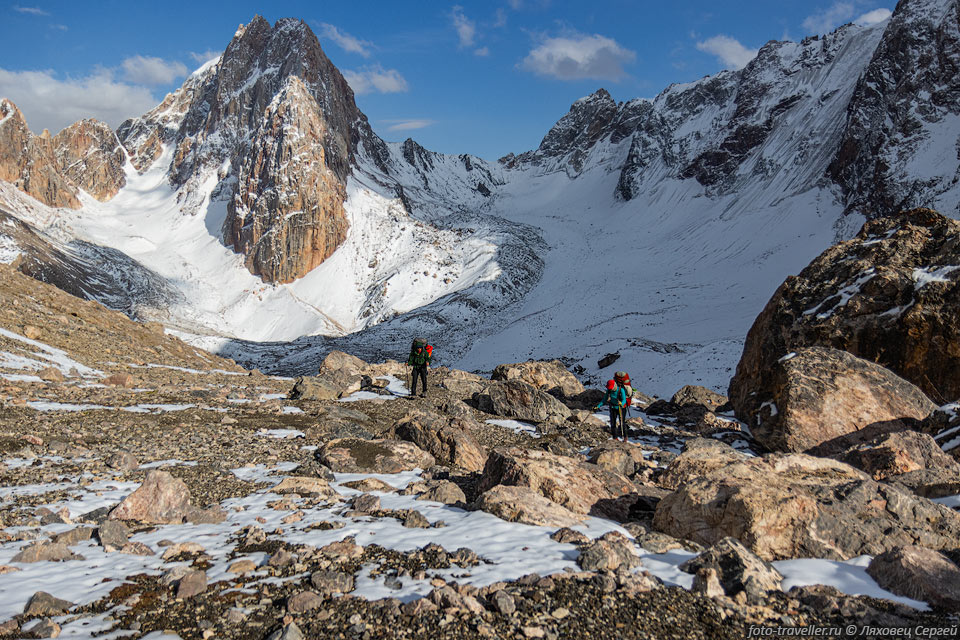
(688,179)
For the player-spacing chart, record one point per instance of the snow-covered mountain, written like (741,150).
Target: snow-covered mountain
(655,229)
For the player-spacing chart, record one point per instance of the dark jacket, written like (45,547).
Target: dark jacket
(419,358)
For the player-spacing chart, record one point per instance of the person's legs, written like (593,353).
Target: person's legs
(422,372)
(613,422)
(413,381)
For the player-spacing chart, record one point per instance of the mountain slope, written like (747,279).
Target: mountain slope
(653,228)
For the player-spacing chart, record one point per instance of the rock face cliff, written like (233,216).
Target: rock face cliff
(898,148)
(276,125)
(868,113)
(86,155)
(773,124)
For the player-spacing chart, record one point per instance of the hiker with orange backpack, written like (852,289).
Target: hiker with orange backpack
(616,399)
(419,361)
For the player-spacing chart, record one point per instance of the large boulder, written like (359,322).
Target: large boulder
(608,553)
(579,486)
(517,399)
(897,453)
(163,499)
(816,394)
(354,455)
(699,396)
(918,573)
(737,568)
(620,457)
(522,504)
(889,295)
(545,375)
(450,441)
(314,388)
(338,361)
(464,383)
(794,505)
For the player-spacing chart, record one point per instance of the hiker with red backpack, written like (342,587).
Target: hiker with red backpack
(616,399)
(622,378)
(419,361)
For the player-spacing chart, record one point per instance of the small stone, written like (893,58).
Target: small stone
(370,484)
(50,517)
(503,602)
(331,582)
(287,632)
(74,536)
(45,552)
(119,380)
(342,550)
(566,535)
(303,602)
(296,516)
(366,503)
(242,566)
(32,439)
(179,548)
(533,632)
(113,534)
(122,461)
(193,583)
(418,607)
(43,604)
(136,549)
(281,558)
(707,582)
(46,628)
(415,520)
(235,616)
(560,613)
(9,627)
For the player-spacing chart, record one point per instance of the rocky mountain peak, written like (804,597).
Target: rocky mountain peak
(86,155)
(277,124)
(904,104)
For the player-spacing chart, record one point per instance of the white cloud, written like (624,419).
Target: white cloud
(873,17)
(829,19)
(50,103)
(376,78)
(501,18)
(483,52)
(466,29)
(34,11)
(729,50)
(407,125)
(152,71)
(577,57)
(205,56)
(60,27)
(346,41)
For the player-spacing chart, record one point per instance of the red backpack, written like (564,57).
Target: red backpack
(622,378)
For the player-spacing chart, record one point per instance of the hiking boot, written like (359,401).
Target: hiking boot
(423,395)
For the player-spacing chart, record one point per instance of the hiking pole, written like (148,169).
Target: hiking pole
(623,427)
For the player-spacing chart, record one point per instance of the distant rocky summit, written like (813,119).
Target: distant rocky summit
(280,119)
(86,155)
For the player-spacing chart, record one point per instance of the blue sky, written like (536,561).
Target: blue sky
(486,78)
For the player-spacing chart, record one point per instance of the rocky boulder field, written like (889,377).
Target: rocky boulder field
(151,489)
